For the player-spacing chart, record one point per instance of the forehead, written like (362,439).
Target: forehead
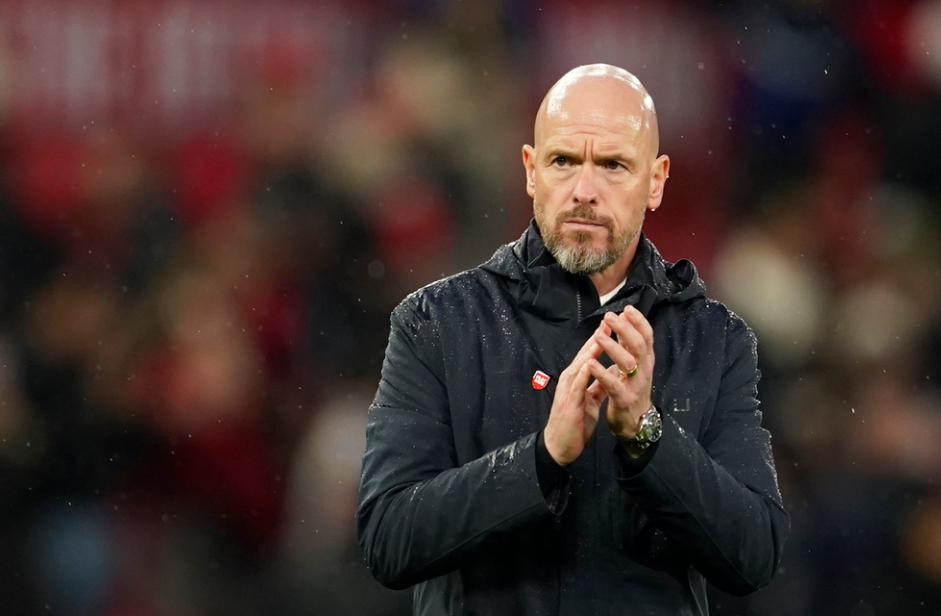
(605,128)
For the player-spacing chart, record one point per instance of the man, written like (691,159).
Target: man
(487,482)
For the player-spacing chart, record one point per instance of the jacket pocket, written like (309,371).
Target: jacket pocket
(640,540)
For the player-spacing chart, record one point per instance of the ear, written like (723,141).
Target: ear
(529,163)
(658,179)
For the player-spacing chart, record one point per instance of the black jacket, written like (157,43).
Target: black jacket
(450,498)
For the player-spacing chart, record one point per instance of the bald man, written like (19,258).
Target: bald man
(489,481)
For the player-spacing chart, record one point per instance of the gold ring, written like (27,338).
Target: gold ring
(630,372)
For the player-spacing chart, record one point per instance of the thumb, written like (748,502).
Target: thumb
(595,394)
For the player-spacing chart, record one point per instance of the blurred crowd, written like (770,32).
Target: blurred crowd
(196,274)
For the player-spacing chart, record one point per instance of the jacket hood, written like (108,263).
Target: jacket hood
(547,290)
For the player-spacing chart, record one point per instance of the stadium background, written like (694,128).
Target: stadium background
(208,209)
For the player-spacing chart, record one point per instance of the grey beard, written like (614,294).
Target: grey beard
(577,258)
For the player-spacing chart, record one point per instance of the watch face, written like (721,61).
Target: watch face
(656,426)
(652,427)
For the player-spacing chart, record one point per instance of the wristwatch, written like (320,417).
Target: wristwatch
(651,427)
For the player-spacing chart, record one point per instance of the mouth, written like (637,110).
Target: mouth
(583,223)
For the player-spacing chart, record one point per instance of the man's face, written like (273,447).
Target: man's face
(593,172)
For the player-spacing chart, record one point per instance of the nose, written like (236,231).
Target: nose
(585,187)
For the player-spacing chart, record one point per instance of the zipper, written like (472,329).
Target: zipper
(578,305)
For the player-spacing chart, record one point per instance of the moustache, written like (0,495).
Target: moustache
(585,212)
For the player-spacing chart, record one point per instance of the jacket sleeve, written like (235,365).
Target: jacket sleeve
(719,498)
(420,512)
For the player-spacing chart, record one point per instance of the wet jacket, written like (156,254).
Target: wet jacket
(450,499)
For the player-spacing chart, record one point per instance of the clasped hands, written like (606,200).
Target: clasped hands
(577,403)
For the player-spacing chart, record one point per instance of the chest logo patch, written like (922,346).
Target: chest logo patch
(540,380)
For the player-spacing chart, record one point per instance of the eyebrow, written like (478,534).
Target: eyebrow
(551,153)
(559,150)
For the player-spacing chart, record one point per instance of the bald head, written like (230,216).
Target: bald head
(595,92)
(594,170)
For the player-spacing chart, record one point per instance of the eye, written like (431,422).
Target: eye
(612,165)
(560,161)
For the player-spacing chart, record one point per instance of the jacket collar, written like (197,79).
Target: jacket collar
(550,292)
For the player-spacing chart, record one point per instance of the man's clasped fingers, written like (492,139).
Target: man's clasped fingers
(632,352)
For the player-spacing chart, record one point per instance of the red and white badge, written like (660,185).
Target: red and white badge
(540,380)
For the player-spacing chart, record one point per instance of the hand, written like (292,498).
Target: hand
(628,396)
(575,407)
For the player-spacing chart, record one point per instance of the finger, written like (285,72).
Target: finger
(569,400)
(575,391)
(580,382)
(623,359)
(588,350)
(621,394)
(591,351)
(628,336)
(606,378)
(628,339)
(596,393)
(641,325)
(592,413)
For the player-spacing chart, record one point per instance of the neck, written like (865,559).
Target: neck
(606,280)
